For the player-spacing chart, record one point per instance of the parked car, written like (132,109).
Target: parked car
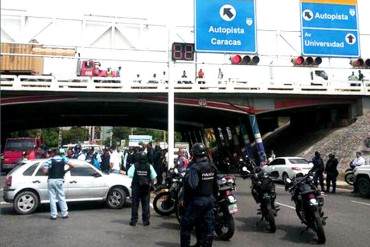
(18,148)
(288,167)
(26,186)
(362,180)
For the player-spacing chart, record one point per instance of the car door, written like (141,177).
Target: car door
(40,179)
(279,166)
(85,183)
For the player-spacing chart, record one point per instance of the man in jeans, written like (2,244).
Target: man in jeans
(54,167)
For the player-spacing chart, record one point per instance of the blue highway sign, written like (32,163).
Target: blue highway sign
(225,26)
(329,30)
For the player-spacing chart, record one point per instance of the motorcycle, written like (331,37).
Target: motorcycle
(225,207)
(308,203)
(263,191)
(166,198)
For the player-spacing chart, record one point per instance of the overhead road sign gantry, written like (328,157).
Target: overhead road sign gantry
(330,28)
(225,26)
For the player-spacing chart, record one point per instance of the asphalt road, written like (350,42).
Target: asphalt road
(92,224)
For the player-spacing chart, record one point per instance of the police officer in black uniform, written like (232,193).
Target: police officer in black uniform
(142,174)
(200,191)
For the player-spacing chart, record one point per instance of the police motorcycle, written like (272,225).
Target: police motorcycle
(225,207)
(308,203)
(263,191)
(349,174)
(166,198)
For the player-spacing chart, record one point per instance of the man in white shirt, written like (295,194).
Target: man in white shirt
(359,161)
(115,160)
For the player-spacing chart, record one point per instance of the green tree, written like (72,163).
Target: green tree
(75,135)
(50,136)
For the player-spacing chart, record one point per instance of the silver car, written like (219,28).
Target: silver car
(26,186)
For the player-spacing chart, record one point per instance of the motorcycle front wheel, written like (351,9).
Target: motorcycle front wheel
(319,228)
(270,217)
(225,226)
(163,204)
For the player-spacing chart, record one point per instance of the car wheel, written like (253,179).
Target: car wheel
(285,176)
(26,202)
(116,198)
(363,185)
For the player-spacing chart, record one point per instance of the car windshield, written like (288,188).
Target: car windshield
(19,144)
(298,161)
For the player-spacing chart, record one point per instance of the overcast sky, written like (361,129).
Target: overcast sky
(270,13)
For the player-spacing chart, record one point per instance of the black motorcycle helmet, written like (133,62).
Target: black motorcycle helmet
(198,150)
(141,157)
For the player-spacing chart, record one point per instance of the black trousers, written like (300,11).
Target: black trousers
(331,178)
(143,196)
(319,176)
(198,213)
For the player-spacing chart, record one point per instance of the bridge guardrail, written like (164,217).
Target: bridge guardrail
(104,84)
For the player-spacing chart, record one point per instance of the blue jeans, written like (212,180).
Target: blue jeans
(56,194)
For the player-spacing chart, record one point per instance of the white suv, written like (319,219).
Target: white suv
(362,180)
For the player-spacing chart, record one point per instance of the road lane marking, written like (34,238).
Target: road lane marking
(362,203)
(1,189)
(285,205)
(4,203)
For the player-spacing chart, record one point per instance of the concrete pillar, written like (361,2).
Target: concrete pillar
(225,136)
(247,145)
(258,139)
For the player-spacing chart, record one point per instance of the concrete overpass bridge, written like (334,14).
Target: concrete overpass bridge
(39,102)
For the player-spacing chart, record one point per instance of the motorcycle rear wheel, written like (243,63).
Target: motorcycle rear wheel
(225,226)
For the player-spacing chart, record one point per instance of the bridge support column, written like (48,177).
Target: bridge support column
(258,139)
(218,137)
(247,149)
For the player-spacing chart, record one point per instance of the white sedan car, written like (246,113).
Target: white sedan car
(288,167)
(26,186)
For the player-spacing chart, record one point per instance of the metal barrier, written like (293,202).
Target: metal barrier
(104,84)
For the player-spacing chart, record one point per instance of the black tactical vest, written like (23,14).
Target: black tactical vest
(142,175)
(206,174)
(56,171)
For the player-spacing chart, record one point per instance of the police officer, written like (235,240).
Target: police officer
(142,174)
(200,190)
(318,168)
(54,167)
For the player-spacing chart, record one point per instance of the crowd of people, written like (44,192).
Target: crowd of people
(113,160)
